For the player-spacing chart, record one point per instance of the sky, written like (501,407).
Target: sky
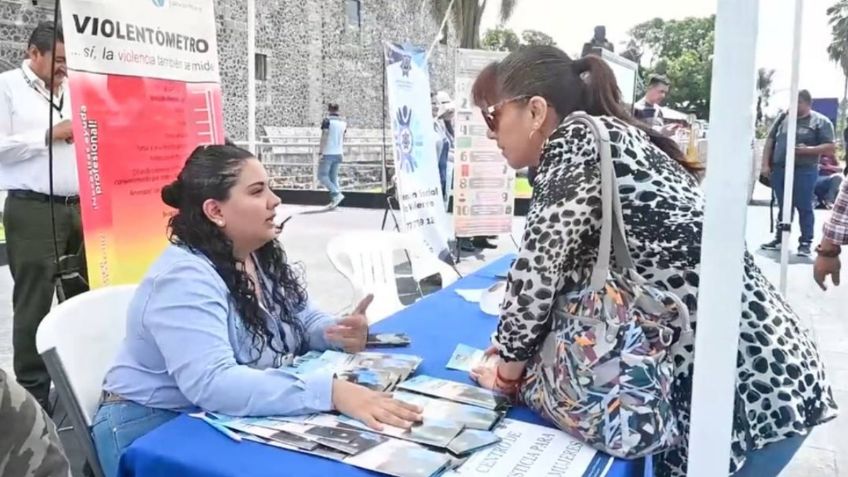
(571,23)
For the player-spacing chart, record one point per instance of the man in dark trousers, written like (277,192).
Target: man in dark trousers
(813,138)
(25,140)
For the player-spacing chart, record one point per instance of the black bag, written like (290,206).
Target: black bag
(765,180)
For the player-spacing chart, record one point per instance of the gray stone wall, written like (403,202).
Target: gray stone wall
(313,56)
(17,19)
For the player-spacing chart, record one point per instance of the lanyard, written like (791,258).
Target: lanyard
(266,304)
(44,95)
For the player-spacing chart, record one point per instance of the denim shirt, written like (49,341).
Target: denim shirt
(186,347)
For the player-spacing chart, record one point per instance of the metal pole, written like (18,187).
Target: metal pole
(251,76)
(785,225)
(723,239)
(441,29)
(386,177)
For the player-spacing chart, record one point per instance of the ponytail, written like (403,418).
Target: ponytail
(586,84)
(604,99)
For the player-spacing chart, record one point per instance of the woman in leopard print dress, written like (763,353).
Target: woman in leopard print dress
(781,390)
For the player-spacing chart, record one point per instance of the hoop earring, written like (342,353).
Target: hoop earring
(532,133)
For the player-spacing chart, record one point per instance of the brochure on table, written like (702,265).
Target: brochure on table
(463,431)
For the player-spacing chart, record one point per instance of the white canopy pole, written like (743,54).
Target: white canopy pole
(723,239)
(251,76)
(441,29)
(785,225)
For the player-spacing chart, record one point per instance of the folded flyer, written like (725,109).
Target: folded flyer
(323,435)
(432,432)
(402,459)
(468,416)
(530,449)
(305,436)
(459,392)
(377,371)
(318,451)
(466,358)
(471,440)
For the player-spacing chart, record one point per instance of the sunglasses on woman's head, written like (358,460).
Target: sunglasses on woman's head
(490,114)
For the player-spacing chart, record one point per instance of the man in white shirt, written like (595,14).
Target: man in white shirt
(25,102)
(333,130)
(649,108)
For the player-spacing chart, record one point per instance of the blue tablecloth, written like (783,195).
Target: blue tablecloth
(187,447)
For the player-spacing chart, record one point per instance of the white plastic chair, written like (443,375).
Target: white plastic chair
(78,341)
(366,259)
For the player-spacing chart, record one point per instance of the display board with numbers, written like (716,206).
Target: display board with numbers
(484,184)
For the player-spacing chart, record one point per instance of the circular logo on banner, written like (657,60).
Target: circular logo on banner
(159,3)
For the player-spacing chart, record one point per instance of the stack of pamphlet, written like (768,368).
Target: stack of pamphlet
(395,457)
(454,391)
(377,371)
(460,422)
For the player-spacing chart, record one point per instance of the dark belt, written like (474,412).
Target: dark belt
(38,196)
(108,396)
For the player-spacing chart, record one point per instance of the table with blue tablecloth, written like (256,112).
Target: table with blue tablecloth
(188,447)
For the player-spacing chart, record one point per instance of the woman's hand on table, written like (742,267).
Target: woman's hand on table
(486,375)
(373,408)
(351,332)
(498,375)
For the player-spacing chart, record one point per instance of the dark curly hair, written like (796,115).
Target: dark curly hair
(209,173)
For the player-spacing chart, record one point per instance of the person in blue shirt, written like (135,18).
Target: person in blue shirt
(221,313)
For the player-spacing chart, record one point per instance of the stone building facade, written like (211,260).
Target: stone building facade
(314,51)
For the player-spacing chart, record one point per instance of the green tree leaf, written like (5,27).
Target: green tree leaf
(683,51)
(500,39)
(536,37)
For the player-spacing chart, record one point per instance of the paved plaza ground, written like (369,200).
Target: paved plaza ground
(825,453)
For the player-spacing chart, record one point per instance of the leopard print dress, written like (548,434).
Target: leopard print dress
(781,390)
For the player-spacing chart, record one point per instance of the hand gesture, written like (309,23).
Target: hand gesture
(825,266)
(351,332)
(63,131)
(669,129)
(373,408)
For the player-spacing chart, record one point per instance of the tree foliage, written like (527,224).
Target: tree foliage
(837,50)
(504,39)
(765,81)
(536,37)
(466,16)
(500,39)
(683,51)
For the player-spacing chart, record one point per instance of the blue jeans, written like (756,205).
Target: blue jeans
(827,188)
(771,459)
(802,198)
(328,173)
(119,424)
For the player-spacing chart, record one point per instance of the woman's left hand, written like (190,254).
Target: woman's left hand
(351,332)
(485,376)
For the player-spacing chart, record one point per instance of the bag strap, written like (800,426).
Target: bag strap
(613,235)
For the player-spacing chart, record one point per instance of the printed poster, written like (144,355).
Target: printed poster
(529,450)
(416,165)
(145,91)
(484,184)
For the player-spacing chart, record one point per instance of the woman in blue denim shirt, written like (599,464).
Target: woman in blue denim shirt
(219,315)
